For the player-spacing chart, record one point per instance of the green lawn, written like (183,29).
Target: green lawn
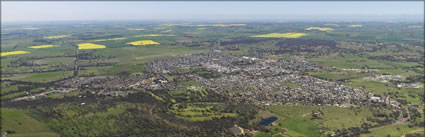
(290,117)
(291,85)
(190,83)
(371,86)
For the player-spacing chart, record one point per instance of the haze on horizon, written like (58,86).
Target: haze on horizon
(212,11)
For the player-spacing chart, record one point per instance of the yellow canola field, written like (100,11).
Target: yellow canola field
(166,31)
(154,35)
(160,28)
(56,36)
(319,28)
(90,46)
(13,53)
(42,46)
(281,35)
(414,26)
(221,25)
(135,29)
(355,25)
(143,42)
(204,25)
(99,40)
(30,28)
(170,25)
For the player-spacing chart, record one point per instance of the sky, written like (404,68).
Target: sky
(212,10)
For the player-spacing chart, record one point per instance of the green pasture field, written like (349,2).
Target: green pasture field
(291,85)
(339,75)
(23,125)
(42,77)
(297,119)
(200,111)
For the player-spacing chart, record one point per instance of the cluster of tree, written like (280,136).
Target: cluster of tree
(23,62)
(415,79)
(193,44)
(381,117)
(261,53)
(30,61)
(399,58)
(350,132)
(35,70)
(414,113)
(422,97)
(414,135)
(244,41)
(20,89)
(310,46)
(90,56)
(306,42)
(232,47)
(28,86)
(134,115)
(47,41)
(19,34)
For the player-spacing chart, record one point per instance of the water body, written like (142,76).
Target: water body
(268,121)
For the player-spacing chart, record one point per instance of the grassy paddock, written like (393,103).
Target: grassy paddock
(297,120)
(17,120)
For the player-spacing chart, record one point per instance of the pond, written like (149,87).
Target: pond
(268,121)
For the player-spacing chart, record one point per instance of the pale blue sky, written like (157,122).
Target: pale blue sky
(139,10)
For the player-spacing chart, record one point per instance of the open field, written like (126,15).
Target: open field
(297,119)
(391,131)
(355,25)
(339,75)
(143,42)
(14,53)
(57,36)
(23,125)
(99,40)
(41,46)
(353,62)
(41,77)
(155,35)
(137,29)
(319,28)
(30,28)
(90,46)
(205,25)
